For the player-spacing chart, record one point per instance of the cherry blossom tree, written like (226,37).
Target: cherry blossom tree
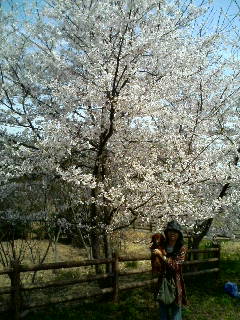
(128,104)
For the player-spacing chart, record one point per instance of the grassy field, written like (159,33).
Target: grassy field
(207,300)
(34,251)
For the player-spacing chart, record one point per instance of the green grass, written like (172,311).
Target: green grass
(206,302)
(131,264)
(132,306)
(206,297)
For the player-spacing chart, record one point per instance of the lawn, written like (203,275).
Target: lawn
(206,298)
(207,301)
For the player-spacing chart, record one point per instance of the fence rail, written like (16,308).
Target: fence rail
(17,288)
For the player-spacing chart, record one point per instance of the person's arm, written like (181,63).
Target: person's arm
(173,262)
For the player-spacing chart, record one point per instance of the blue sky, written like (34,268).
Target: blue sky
(217,4)
(231,7)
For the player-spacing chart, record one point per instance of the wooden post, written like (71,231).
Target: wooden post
(218,255)
(219,252)
(115,277)
(16,299)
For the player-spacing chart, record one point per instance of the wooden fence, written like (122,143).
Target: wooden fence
(202,257)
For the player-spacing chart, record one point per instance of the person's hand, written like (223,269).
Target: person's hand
(158,252)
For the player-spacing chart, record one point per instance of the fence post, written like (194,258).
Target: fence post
(116,276)
(16,299)
(218,255)
(219,251)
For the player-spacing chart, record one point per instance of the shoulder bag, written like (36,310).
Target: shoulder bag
(167,291)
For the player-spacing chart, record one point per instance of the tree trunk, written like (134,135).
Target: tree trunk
(95,244)
(201,229)
(109,255)
(107,251)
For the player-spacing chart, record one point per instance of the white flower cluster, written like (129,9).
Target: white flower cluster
(127,106)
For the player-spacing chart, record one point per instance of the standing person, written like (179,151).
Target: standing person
(171,265)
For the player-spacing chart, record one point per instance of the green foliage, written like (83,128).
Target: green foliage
(40,231)
(14,231)
(230,250)
(67,275)
(207,244)
(131,264)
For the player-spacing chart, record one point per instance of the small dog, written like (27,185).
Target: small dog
(157,243)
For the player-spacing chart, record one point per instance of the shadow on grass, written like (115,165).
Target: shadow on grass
(134,304)
(207,301)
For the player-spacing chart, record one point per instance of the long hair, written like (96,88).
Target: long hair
(178,245)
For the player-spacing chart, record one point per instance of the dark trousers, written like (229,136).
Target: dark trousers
(170,312)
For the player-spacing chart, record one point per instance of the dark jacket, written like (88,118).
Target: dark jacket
(173,265)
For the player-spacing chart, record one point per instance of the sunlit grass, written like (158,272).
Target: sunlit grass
(207,300)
